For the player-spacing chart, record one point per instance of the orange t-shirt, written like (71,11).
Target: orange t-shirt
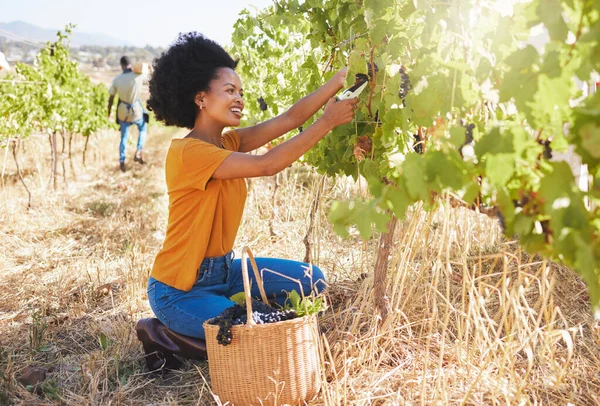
(204,213)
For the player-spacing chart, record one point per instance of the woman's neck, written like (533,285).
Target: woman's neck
(206,131)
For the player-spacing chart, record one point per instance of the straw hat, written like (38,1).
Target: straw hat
(3,62)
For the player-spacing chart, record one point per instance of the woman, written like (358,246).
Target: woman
(194,85)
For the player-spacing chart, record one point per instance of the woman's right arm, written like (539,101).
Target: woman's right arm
(258,135)
(239,165)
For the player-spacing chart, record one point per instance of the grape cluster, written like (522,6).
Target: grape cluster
(262,104)
(466,149)
(266,318)
(376,119)
(469,133)
(405,85)
(236,315)
(225,320)
(360,78)
(370,70)
(547,148)
(418,145)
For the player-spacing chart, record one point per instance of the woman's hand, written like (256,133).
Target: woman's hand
(339,112)
(340,76)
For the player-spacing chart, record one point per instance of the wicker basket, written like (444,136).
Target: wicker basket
(267,364)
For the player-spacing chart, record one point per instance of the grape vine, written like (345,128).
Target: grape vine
(461,102)
(51,97)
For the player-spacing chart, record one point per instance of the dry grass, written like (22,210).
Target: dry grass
(475,321)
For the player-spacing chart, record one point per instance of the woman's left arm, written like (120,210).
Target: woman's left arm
(262,133)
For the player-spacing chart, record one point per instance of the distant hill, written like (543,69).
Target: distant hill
(37,34)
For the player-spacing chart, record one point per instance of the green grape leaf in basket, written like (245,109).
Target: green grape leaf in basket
(239,298)
(304,306)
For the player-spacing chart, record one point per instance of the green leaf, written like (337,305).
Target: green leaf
(523,59)
(339,211)
(103,340)
(470,192)
(357,63)
(413,171)
(295,299)
(556,184)
(550,12)
(588,267)
(590,139)
(381,221)
(494,142)
(399,200)
(458,136)
(500,168)
(363,224)
(469,90)
(446,168)
(550,105)
(523,225)
(239,298)
(551,66)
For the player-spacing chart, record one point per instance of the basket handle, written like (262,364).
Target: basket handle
(246,252)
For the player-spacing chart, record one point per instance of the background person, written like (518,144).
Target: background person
(128,85)
(194,85)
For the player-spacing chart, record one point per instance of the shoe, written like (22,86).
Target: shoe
(122,166)
(138,157)
(162,344)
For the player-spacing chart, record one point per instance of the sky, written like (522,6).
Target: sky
(145,22)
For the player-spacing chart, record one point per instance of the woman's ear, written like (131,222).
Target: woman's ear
(199,100)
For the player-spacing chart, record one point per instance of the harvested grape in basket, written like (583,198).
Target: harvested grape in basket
(236,315)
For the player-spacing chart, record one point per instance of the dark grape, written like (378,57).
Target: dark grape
(300,129)
(405,85)
(469,133)
(376,119)
(225,321)
(370,70)
(418,145)
(360,78)
(547,148)
(262,103)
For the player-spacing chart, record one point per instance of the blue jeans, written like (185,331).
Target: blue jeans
(220,278)
(141,125)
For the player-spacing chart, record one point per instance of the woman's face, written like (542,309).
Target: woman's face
(224,103)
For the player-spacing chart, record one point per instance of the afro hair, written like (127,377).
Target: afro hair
(185,69)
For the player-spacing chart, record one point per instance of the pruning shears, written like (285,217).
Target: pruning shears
(354,90)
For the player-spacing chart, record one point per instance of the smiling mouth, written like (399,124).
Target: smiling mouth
(237,111)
